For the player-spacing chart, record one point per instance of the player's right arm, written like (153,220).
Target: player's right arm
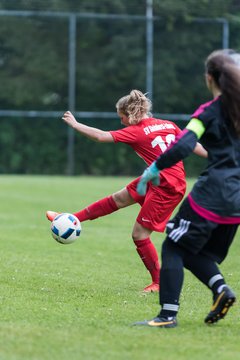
(88,131)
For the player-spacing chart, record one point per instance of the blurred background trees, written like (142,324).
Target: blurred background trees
(111,60)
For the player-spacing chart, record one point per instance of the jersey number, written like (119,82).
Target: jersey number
(158,141)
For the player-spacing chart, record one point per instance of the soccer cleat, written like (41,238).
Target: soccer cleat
(51,215)
(159,321)
(154,287)
(221,304)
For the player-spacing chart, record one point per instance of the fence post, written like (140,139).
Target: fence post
(225,36)
(70,168)
(149,48)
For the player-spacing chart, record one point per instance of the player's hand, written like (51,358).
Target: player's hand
(150,174)
(69,119)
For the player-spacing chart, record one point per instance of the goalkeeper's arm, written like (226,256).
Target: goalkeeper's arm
(184,145)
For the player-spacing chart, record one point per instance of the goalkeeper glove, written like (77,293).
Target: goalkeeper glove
(150,174)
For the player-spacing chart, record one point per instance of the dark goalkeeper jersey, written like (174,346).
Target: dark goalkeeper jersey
(216,194)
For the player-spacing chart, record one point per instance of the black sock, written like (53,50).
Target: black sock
(171,278)
(205,270)
(217,283)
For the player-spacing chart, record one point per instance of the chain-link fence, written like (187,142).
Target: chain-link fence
(54,61)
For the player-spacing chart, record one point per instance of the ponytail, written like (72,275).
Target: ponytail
(134,106)
(224,67)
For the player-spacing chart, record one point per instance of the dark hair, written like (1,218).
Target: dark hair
(224,67)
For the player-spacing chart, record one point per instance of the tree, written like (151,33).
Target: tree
(111,57)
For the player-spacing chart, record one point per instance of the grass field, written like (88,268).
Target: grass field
(78,301)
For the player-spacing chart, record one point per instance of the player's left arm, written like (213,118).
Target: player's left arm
(88,131)
(200,151)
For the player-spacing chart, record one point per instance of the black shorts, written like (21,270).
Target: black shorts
(199,235)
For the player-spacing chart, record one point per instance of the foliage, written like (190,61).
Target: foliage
(172,9)
(111,60)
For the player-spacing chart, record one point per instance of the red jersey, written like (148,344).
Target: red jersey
(149,139)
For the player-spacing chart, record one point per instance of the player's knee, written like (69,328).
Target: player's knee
(121,198)
(136,235)
(140,233)
(167,247)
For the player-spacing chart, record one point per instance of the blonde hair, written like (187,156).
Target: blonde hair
(134,106)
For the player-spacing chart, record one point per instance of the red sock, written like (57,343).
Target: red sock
(149,257)
(99,208)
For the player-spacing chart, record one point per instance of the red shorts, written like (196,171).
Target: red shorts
(156,206)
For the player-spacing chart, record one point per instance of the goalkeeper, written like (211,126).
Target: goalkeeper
(200,234)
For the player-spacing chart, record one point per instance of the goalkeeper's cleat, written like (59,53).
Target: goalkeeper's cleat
(159,321)
(51,215)
(154,287)
(221,304)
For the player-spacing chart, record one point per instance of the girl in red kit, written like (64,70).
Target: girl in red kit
(149,137)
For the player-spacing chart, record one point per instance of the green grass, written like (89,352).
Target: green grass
(78,301)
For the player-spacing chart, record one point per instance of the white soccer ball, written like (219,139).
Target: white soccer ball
(66,228)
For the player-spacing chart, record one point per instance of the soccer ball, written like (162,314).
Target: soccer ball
(66,228)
